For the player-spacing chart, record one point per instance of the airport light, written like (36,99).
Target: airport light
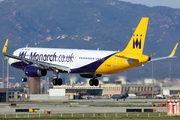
(7,73)
(169,71)
(152,54)
(3,58)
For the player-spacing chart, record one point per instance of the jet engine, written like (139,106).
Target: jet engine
(33,71)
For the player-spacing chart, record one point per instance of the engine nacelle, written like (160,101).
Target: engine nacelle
(90,75)
(33,71)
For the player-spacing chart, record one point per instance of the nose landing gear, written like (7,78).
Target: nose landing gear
(24,79)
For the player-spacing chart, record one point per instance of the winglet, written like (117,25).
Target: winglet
(5,46)
(174,50)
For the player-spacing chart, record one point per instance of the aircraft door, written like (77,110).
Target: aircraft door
(114,61)
(76,59)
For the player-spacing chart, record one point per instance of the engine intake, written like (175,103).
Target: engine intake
(33,71)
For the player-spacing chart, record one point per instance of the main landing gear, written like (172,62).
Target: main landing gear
(57,81)
(94,82)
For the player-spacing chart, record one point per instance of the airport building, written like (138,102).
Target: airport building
(106,88)
(14,93)
(173,90)
(4,95)
(10,93)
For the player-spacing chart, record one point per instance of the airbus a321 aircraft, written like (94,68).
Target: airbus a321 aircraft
(35,62)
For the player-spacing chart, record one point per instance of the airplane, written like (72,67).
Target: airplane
(120,96)
(35,62)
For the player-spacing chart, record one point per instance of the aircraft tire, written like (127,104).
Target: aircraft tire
(55,81)
(59,81)
(25,79)
(91,82)
(22,79)
(96,82)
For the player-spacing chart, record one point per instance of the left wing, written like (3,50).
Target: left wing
(38,63)
(170,56)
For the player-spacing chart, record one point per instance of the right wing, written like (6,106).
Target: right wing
(170,56)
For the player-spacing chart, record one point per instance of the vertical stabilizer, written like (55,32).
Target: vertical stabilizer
(136,44)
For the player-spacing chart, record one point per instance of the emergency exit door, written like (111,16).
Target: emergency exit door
(114,61)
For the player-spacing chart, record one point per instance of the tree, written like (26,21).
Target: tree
(43,90)
(23,85)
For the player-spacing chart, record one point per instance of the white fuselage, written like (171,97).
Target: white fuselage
(71,58)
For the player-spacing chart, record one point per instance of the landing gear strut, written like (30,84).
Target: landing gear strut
(94,82)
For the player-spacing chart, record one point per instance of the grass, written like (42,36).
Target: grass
(89,116)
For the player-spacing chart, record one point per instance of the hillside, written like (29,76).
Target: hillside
(104,24)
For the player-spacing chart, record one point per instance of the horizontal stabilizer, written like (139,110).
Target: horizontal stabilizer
(128,59)
(124,57)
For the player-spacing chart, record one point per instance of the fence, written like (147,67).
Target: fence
(87,115)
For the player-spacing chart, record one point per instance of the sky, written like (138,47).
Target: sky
(152,3)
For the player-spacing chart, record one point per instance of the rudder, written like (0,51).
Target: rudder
(136,43)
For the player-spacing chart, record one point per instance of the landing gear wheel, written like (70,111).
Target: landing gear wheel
(24,79)
(91,82)
(55,81)
(96,82)
(59,81)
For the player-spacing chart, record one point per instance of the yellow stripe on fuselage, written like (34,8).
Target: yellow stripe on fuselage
(115,64)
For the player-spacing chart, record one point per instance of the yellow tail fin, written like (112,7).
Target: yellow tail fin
(136,44)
